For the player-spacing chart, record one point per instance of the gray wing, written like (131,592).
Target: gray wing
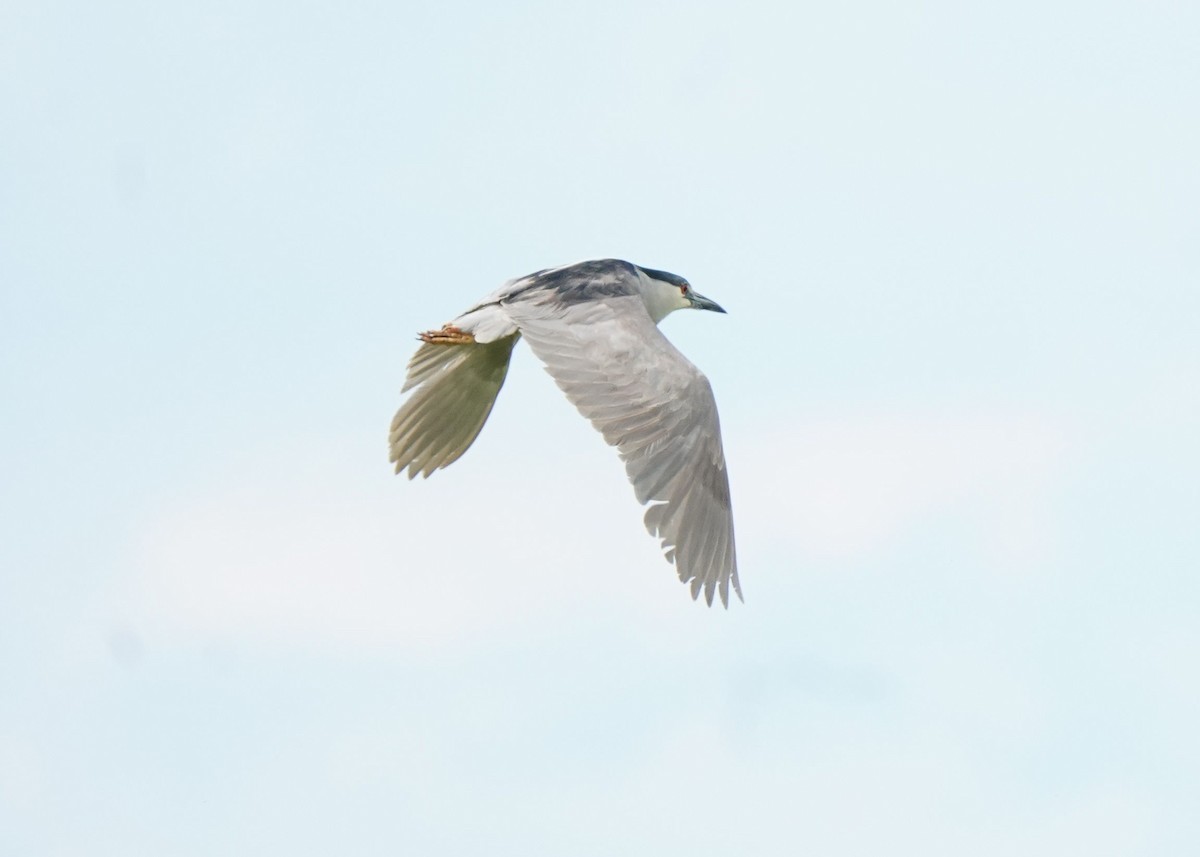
(658,409)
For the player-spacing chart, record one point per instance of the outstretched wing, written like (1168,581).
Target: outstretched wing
(658,409)
(456,388)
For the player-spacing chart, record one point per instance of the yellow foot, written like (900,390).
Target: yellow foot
(448,335)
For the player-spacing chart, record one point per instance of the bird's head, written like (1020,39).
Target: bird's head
(665,292)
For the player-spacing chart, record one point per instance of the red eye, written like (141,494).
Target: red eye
(683,290)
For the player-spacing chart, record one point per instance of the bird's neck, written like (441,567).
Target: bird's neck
(661,298)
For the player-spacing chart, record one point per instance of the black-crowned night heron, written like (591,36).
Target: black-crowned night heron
(595,326)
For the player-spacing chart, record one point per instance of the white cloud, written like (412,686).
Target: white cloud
(312,544)
(848,485)
(319,546)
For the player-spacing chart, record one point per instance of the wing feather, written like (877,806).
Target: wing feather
(658,409)
(456,386)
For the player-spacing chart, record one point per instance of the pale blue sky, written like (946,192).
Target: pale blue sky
(959,382)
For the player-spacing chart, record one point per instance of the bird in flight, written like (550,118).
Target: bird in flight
(595,327)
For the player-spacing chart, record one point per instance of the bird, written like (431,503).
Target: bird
(594,325)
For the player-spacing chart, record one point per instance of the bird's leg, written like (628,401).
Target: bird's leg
(448,335)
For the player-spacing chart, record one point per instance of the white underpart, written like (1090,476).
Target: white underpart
(486,323)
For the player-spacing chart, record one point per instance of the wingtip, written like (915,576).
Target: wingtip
(713,588)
